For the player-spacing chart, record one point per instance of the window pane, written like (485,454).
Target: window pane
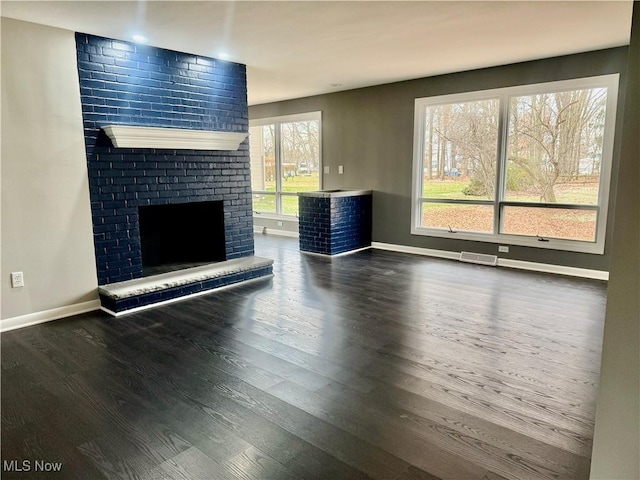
(289,205)
(550,222)
(555,147)
(264,202)
(300,154)
(263,158)
(460,150)
(472,218)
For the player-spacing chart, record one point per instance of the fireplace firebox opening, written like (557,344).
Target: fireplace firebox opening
(178,236)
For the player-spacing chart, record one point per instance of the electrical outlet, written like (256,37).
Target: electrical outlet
(17,279)
(503,248)
(280,223)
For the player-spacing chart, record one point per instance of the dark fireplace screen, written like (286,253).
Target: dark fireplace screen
(183,235)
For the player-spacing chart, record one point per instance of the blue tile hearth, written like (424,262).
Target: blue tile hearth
(121,297)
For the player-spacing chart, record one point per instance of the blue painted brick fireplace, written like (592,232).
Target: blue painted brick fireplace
(128,84)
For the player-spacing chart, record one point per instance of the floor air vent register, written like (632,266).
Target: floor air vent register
(479,258)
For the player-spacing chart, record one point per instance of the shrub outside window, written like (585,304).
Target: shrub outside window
(527,165)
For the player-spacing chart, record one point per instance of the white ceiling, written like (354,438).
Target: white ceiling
(300,48)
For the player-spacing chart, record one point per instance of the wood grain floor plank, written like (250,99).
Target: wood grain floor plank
(532,403)
(495,449)
(39,442)
(312,463)
(192,464)
(252,464)
(413,408)
(350,449)
(373,365)
(413,473)
(383,432)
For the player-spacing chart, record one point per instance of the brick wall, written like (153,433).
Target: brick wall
(129,84)
(350,223)
(314,224)
(333,225)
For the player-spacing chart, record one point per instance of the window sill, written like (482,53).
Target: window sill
(275,216)
(504,239)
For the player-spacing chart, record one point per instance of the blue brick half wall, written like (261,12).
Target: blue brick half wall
(330,225)
(128,84)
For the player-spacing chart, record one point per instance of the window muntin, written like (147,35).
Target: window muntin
(548,184)
(285,159)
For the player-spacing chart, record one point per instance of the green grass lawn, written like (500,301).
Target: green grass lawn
(576,192)
(266,203)
(451,189)
(301,183)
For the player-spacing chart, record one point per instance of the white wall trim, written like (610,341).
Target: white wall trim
(557,269)
(273,216)
(502,262)
(274,231)
(341,254)
(48,315)
(429,252)
(127,136)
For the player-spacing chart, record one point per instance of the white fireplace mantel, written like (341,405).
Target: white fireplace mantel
(125,136)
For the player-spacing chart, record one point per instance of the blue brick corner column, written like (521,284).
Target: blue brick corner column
(334,222)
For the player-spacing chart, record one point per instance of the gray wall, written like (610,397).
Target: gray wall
(370,132)
(616,446)
(46,219)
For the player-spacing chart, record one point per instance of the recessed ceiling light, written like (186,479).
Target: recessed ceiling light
(139,38)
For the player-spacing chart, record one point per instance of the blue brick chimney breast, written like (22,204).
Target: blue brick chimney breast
(128,84)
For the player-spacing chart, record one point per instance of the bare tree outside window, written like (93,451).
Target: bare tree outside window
(461,149)
(555,146)
(529,161)
(461,141)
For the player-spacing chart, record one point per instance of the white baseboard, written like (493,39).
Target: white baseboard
(48,315)
(274,231)
(502,262)
(429,252)
(342,254)
(557,269)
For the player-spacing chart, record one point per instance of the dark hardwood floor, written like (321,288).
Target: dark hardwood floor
(373,365)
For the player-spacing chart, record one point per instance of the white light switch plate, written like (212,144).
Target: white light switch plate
(327,169)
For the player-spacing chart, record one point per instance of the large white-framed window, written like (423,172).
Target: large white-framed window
(286,159)
(526,165)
